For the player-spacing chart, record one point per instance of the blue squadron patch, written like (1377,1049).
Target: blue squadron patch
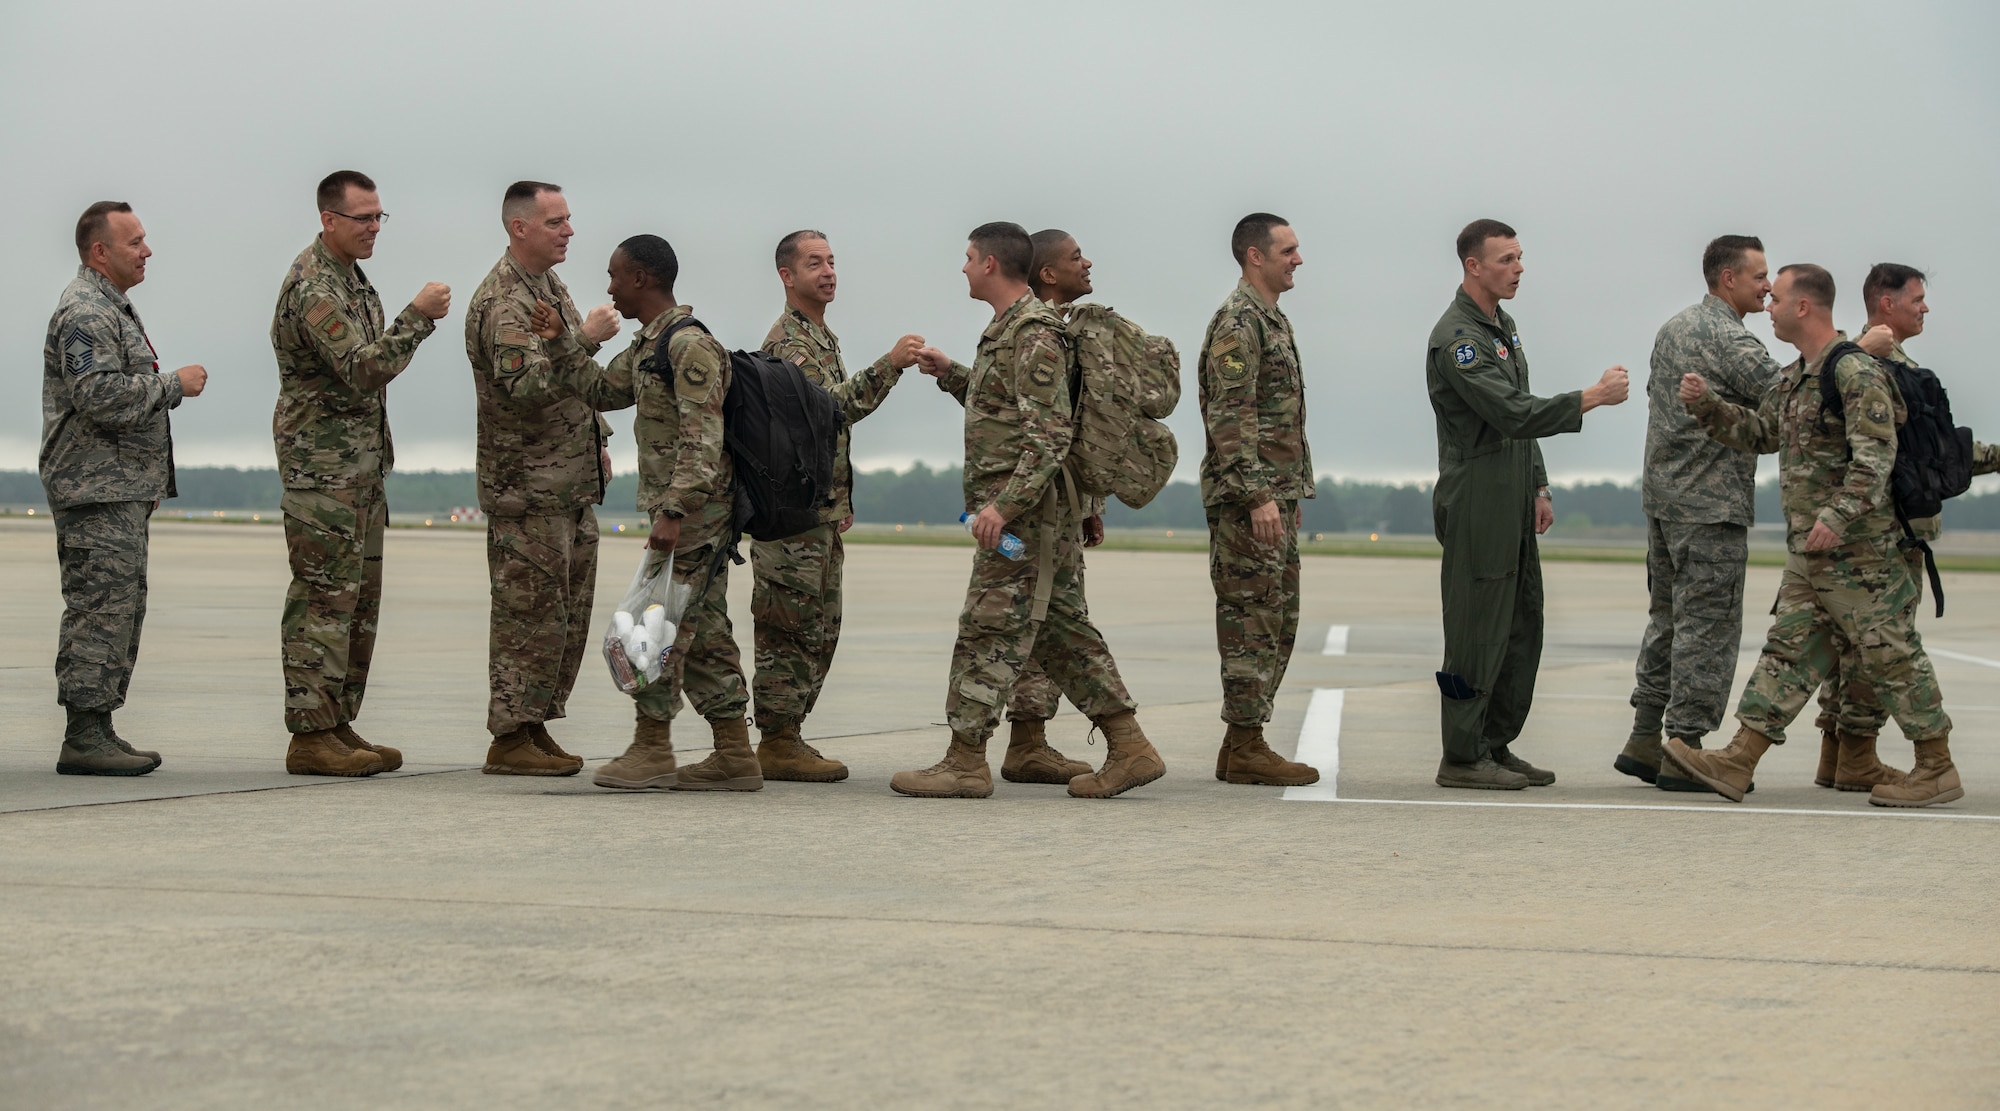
(1464,355)
(1499,349)
(78,356)
(1517,341)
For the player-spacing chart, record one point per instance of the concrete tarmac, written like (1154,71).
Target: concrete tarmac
(220,934)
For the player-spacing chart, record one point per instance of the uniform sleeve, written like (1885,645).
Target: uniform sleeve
(1476,375)
(1041,389)
(956,381)
(1742,427)
(1985,458)
(701,368)
(325,326)
(1871,442)
(1745,367)
(865,392)
(1231,360)
(530,370)
(1541,469)
(617,387)
(103,392)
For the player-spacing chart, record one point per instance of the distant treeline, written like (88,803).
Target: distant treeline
(936,497)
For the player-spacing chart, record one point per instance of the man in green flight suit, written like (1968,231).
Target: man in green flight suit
(1491,501)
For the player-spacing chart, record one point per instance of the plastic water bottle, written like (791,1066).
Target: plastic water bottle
(1010,545)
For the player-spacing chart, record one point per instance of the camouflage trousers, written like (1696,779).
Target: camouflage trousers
(1256,609)
(1847,700)
(1858,599)
(998,634)
(101,554)
(706,663)
(326,636)
(795,614)
(1035,696)
(543,571)
(1687,659)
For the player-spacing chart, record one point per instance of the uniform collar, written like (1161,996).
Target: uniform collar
(1716,304)
(1464,300)
(1244,287)
(104,286)
(1812,367)
(819,332)
(545,280)
(1006,319)
(349,272)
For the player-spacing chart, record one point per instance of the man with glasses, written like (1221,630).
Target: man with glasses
(335,362)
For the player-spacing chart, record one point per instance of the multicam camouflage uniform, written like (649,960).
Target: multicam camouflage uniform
(1859,597)
(1253,405)
(331,428)
(1018,426)
(685,472)
(795,599)
(1699,497)
(1850,706)
(541,444)
(107,458)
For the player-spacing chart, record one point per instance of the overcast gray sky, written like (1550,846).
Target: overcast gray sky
(1618,138)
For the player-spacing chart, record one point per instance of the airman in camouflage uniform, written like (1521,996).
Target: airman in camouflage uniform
(795,597)
(686,488)
(1253,407)
(1846,586)
(1699,497)
(1018,428)
(542,466)
(336,359)
(107,460)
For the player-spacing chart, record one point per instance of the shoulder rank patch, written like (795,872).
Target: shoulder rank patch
(1464,355)
(1500,348)
(78,355)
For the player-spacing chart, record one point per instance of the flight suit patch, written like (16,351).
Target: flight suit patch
(1464,355)
(1500,348)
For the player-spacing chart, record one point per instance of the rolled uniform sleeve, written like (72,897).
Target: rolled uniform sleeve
(102,391)
(1041,387)
(701,367)
(1871,442)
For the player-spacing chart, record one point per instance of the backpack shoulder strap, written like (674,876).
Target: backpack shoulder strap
(660,357)
(1829,388)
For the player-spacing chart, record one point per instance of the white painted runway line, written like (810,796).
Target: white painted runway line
(1962,657)
(1336,641)
(1319,745)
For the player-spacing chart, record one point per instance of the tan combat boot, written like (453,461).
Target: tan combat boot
(538,732)
(322,752)
(125,746)
(1483,774)
(1932,781)
(1131,762)
(731,767)
(785,756)
(1029,758)
(88,748)
(1858,768)
(648,764)
(1829,758)
(1727,771)
(1245,758)
(1537,777)
(516,753)
(1641,758)
(392,758)
(962,774)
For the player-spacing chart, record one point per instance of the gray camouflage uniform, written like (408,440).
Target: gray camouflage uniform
(107,459)
(1699,497)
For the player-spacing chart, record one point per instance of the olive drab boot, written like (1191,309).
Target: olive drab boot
(1858,768)
(1245,758)
(1483,774)
(1829,758)
(731,767)
(1641,758)
(785,756)
(538,732)
(516,753)
(392,758)
(1503,755)
(1030,759)
(89,749)
(111,731)
(962,774)
(322,752)
(1932,781)
(1727,771)
(1131,762)
(648,763)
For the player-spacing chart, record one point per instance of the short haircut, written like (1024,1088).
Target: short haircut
(788,247)
(1254,230)
(333,188)
(655,256)
(92,225)
(1008,243)
(1473,239)
(1812,282)
(1047,243)
(1725,252)
(1885,278)
(521,196)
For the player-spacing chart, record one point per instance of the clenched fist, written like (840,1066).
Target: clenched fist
(601,324)
(1692,387)
(1611,389)
(194,379)
(904,353)
(434,300)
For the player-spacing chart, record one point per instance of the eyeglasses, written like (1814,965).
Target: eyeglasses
(377,219)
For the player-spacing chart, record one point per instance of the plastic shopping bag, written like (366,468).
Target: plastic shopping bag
(642,631)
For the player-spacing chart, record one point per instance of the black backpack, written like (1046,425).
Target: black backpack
(781,430)
(1933,455)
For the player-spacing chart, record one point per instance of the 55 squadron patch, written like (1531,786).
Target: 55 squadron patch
(78,355)
(1464,355)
